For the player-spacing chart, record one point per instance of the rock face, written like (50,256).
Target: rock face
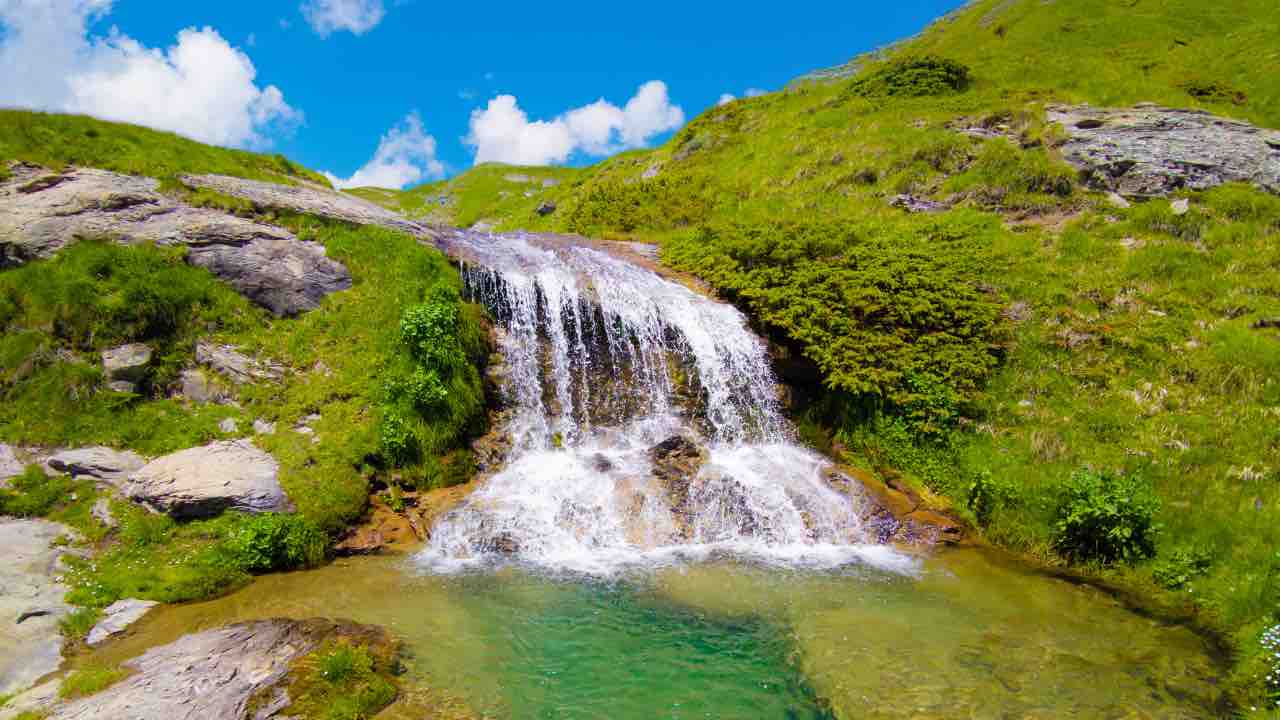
(101,463)
(309,199)
(1150,151)
(676,462)
(43,212)
(10,466)
(118,616)
(213,674)
(234,365)
(31,602)
(206,481)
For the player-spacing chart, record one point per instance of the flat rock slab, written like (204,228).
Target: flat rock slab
(311,200)
(42,212)
(30,592)
(212,674)
(117,618)
(1149,151)
(235,365)
(206,481)
(10,466)
(101,463)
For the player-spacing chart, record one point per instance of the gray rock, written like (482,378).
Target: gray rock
(101,463)
(550,182)
(205,481)
(1117,201)
(262,427)
(234,365)
(1148,151)
(229,426)
(127,363)
(31,601)
(913,204)
(1180,207)
(118,616)
(102,512)
(517,178)
(41,213)
(196,387)
(10,466)
(212,674)
(545,208)
(32,701)
(122,386)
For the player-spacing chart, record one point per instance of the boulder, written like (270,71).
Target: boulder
(215,674)
(229,426)
(102,513)
(126,366)
(196,387)
(43,212)
(100,463)
(1149,151)
(263,427)
(118,616)
(31,601)
(234,365)
(206,481)
(676,461)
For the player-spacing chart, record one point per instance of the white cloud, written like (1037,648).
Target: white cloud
(201,87)
(405,155)
(502,131)
(356,16)
(725,99)
(756,92)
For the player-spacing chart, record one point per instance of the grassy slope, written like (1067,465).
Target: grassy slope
(1131,349)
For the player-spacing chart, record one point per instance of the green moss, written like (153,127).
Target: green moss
(344,681)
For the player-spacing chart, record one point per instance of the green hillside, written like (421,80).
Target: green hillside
(1032,346)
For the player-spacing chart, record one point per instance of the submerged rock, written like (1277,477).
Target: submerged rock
(118,616)
(205,481)
(31,601)
(1149,150)
(101,463)
(42,212)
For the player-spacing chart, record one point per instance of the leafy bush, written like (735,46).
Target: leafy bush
(1180,568)
(425,389)
(1107,518)
(986,495)
(268,542)
(913,76)
(430,331)
(397,439)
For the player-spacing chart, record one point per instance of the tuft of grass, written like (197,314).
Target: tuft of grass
(87,681)
(344,681)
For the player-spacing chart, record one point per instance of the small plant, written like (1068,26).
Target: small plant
(430,331)
(986,495)
(344,662)
(425,389)
(1106,518)
(1271,649)
(1180,568)
(77,624)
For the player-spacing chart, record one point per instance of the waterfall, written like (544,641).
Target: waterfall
(644,422)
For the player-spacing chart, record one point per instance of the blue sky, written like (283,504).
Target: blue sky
(327,81)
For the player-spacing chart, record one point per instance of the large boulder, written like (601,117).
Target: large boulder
(101,463)
(206,481)
(1149,150)
(221,673)
(42,212)
(676,462)
(31,601)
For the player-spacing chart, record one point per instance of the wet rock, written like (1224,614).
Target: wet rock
(676,462)
(1148,150)
(267,264)
(545,208)
(234,365)
(600,463)
(205,481)
(118,616)
(31,601)
(214,674)
(505,543)
(126,366)
(100,463)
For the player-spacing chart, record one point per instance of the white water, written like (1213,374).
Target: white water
(596,352)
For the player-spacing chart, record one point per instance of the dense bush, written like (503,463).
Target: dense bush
(913,76)
(263,543)
(896,317)
(1106,518)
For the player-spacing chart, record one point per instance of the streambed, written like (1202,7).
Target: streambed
(962,636)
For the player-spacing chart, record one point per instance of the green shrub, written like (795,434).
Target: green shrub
(913,76)
(986,495)
(269,542)
(76,624)
(1180,568)
(430,331)
(1106,518)
(425,389)
(399,445)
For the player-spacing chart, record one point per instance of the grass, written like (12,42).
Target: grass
(87,681)
(57,141)
(344,680)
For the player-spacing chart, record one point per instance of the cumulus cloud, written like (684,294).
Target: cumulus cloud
(355,16)
(201,86)
(725,99)
(405,155)
(503,132)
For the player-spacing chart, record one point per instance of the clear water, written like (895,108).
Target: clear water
(963,637)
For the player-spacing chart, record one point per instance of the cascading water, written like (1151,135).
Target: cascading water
(644,423)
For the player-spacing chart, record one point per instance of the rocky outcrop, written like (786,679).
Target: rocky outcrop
(42,212)
(308,199)
(892,512)
(100,463)
(206,481)
(222,673)
(126,366)
(118,616)
(31,601)
(676,462)
(1149,150)
(235,365)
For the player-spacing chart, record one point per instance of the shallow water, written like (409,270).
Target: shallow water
(961,637)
